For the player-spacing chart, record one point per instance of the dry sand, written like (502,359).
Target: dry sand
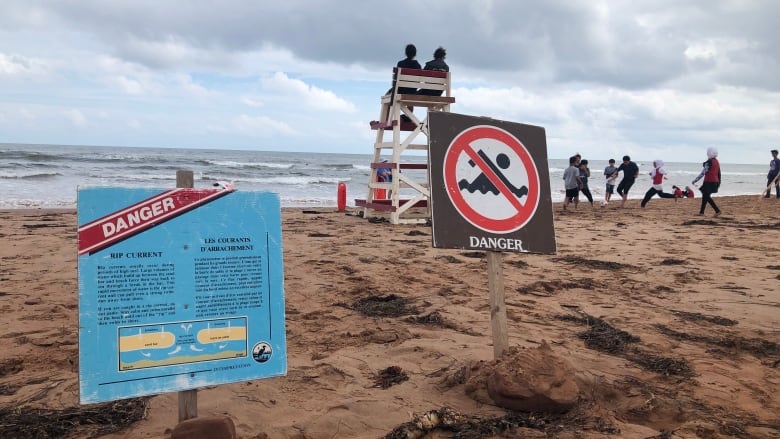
(701,294)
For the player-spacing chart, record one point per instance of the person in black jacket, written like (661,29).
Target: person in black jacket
(437,63)
(407,63)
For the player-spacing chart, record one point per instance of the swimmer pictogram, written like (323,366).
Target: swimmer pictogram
(483,184)
(491,179)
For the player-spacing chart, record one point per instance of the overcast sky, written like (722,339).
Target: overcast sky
(652,79)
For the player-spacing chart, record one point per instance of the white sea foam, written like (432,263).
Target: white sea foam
(234,164)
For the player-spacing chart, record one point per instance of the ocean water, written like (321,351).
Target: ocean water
(33,176)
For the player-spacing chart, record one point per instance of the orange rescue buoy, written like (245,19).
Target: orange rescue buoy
(341,196)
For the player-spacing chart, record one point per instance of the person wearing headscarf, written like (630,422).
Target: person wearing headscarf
(658,174)
(711,174)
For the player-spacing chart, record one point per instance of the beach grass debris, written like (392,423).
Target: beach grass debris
(662,365)
(458,425)
(390,376)
(698,317)
(97,419)
(592,263)
(11,366)
(319,235)
(600,335)
(8,389)
(450,259)
(603,337)
(756,346)
(436,319)
(673,261)
(416,233)
(390,305)
(698,222)
(518,263)
(473,255)
(551,286)
(430,318)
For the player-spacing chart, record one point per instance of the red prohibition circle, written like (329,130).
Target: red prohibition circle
(458,147)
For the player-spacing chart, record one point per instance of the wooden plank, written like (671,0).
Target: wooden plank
(188,404)
(359,202)
(421,72)
(376,205)
(497,303)
(405,126)
(185,179)
(381,165)
(188,399)
(424,100)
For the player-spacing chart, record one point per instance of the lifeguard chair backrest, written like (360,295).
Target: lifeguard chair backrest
(421,79)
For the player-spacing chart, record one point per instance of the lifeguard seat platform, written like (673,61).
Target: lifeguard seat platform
(393,105)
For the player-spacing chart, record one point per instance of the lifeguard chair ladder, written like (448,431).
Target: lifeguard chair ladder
(393,105)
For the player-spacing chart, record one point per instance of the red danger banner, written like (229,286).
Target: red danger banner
(115,227)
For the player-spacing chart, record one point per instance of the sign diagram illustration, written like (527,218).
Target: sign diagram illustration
(179,343)
(491,179)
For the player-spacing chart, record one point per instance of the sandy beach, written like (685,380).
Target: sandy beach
(669,321)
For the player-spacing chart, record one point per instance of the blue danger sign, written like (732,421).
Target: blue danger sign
(178,289)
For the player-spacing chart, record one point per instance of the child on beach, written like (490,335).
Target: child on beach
(584,174)
(658,174)
(711,173)
(773,177)
(611,174)
(571,182)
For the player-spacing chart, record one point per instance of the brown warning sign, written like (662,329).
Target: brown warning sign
(489,185)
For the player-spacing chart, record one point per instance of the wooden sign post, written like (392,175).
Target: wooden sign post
(188,399)
(497,303)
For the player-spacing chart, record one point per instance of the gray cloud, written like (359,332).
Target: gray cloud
(620,44)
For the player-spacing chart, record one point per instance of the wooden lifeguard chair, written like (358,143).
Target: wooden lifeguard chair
(393,105)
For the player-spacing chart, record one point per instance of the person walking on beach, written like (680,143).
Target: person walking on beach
(773,177)
(630,173)
(711,173)
(571,182)
(611,174)
(584,175)
(658,175)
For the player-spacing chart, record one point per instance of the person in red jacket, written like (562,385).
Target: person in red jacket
(658,175)
(711,173)
(689,192)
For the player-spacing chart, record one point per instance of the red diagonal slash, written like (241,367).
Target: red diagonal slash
(488,171)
